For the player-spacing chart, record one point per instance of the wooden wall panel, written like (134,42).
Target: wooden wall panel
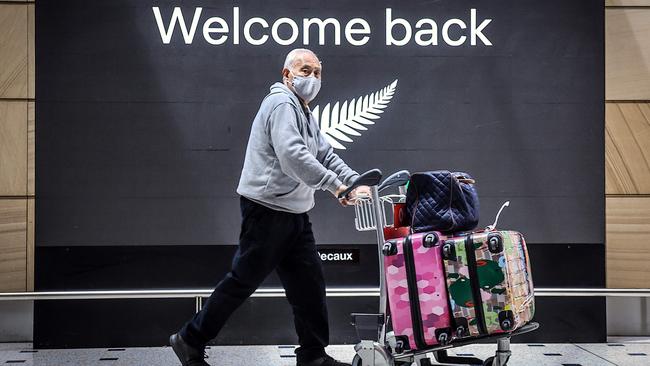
(627,142)
(627,2)
(13,241)
(627,54)
(31,148)
(13,50)
(31,52)
(13,148)
(627,148)
(628,242)
(30,250)
(17,85)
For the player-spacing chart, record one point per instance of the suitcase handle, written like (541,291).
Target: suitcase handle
(463,178)
(467,180)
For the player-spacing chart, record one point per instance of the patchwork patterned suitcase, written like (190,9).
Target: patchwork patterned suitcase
(417,292)
(489,282)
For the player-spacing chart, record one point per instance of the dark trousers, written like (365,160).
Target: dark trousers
(270,240)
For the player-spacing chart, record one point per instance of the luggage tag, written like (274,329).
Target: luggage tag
(496,220)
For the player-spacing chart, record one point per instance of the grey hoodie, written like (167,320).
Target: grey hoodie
(287,158)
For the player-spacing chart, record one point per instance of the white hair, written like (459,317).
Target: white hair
(294,54)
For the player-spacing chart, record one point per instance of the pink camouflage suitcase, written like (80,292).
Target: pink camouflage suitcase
(417,291)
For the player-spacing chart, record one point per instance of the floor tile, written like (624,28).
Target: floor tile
(624,354)
(629,354)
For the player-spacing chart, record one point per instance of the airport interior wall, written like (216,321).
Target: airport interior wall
(120,159)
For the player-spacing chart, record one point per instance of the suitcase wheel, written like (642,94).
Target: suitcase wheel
(389,248)
(506,320)
(401,344)
(399,348)
(430,240)
(461,332)
(443,336)
(495,243)
(448,252)
(506,324)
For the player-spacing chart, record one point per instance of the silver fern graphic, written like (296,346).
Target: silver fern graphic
(338,123)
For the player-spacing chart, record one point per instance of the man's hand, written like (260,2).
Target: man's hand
(361,191)
(340,190)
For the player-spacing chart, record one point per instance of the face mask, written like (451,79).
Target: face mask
(307,87)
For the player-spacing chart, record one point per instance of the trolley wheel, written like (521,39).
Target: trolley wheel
(376,354)
(489,361)
(356,361)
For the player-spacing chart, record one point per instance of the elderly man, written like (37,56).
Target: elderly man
(287,159)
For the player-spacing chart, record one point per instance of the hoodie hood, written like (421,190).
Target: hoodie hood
(279,87)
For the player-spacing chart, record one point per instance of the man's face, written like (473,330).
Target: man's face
(305,64)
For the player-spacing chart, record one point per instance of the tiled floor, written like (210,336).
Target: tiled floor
(627,353)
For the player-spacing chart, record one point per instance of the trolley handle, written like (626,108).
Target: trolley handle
(370,178)
(395,180)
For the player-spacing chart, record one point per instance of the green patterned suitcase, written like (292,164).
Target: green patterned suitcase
(489,282)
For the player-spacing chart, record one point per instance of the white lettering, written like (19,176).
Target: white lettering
(445,32)
(389,29)
(431,32)
(478,31)
(247,31)
(207,29)
(336,257)
(294,31)
(235,25)
(321,30)
(350,32)
(177,16)
(399,31)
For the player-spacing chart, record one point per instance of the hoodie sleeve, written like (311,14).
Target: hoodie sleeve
(333,162)
(295,158)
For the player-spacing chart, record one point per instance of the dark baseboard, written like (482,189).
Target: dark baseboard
(148,322)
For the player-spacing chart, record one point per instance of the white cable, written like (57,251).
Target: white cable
(494,225)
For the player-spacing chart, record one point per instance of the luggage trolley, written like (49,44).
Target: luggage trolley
(377,347)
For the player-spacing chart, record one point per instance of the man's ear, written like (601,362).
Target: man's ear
(285,74)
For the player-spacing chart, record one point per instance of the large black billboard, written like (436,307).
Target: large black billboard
(143,110)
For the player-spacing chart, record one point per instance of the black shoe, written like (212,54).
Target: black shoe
(188,355)
(323,361)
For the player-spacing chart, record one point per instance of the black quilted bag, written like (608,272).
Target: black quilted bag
(442,201)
